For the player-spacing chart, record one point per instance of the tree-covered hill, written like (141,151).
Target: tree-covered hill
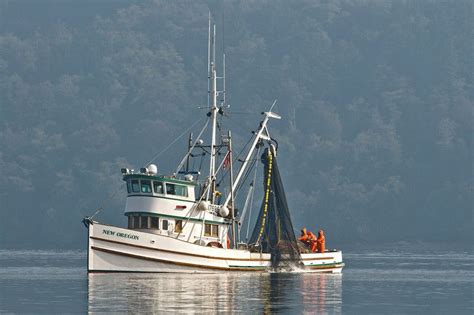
(376,143)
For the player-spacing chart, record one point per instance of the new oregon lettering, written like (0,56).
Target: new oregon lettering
(120,234)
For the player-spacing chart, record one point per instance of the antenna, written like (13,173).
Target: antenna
(223,80)
(209,61)
(214,44)
(223,55)
(271,107)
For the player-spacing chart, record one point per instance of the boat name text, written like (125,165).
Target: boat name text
(120,234)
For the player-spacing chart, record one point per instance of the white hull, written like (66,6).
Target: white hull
(114,249)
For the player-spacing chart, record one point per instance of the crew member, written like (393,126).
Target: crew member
(320,242)
(309,239)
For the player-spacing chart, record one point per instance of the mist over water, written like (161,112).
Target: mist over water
(391,280)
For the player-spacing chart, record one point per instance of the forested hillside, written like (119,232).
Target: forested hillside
(376,141)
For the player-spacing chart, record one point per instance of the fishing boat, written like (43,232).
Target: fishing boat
(187,222)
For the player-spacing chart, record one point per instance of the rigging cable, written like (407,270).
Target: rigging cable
(193,208)
(120,188)
(191,149)
(174,141)
(251,201)
(246,175)
(237,157)
(200,166)
(248,199)
(106,202)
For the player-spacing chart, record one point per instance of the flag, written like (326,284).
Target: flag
(227,160)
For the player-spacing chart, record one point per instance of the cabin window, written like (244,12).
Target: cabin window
(211,230)
(135,186)
(164,225)
(158,187)
(178,227)
(179,190)
(146,186)
(129,186)
(130,222)
(170,189)
(154,223)
(136,222)
(143,222)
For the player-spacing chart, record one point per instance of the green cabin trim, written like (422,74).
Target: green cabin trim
(159,178)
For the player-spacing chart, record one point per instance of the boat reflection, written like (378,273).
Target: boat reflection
(321,293)
(225,292)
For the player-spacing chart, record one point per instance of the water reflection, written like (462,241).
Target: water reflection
(227,292)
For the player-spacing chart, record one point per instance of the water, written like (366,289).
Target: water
(378,281)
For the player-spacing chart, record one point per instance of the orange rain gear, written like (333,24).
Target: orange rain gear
(304,235)
(309,239)
(321,242)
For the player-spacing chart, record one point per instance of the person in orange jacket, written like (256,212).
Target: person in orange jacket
(308,238)
(321,242)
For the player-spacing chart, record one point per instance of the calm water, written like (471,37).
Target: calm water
(382,281)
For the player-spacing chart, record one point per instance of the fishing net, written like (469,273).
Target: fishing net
(273,233)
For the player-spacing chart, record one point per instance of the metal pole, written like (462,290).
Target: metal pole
(212,163)
(232,208)
(259,135)
(190,144)
(247,158)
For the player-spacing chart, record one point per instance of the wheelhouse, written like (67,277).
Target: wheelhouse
(161,205)
(159,186)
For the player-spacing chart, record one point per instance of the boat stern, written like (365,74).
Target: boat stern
(330,261)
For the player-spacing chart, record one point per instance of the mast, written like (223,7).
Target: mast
(213,115)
